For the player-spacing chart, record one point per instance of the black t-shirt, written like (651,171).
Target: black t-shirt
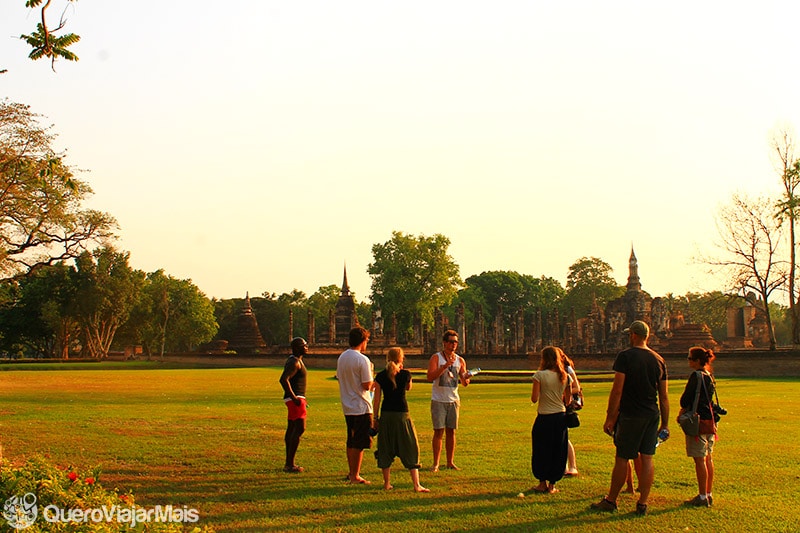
(706,394)
(394,398)
(643,369)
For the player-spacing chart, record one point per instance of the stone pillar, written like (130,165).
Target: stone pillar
(291,325)
(479,345)
(538,340)
(499,331)
(519,345)
(555,328)
(438,328)
(312,328)
(331,327)
(461,327)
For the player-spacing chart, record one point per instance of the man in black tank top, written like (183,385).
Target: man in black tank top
(293,381)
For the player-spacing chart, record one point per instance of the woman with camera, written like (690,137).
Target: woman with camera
(701,447)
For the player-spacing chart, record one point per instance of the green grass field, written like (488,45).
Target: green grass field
(212,439)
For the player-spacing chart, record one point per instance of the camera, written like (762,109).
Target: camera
(718,409)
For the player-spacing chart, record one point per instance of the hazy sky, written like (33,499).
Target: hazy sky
(255,145)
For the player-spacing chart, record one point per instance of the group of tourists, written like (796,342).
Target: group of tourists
(379,407)
(637,417)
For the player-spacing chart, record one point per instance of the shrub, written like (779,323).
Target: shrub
(41,497)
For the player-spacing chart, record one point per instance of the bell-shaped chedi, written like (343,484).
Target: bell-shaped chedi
(345,313)
(247,339)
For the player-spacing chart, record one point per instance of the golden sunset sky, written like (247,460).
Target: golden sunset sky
(257,145)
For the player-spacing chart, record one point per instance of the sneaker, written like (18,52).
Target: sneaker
(697,501)
(604,505)
(641,508)
(710,500)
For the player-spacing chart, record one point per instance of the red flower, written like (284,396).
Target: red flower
(89,480)
(124,498)
(73,476)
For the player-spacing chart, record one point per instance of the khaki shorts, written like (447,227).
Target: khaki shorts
(700,446)
(445,414)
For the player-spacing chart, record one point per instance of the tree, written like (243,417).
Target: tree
(41,219)
(709,308)
(171,315)
(411,276)
(44,41)
(788,168)
(107,289)
(509,291)
(38,317)
(589,279)
(320,304)
(750,237)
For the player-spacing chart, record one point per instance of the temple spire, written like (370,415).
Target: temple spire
(345,286)
(634,284)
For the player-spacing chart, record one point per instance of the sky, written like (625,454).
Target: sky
(259,146)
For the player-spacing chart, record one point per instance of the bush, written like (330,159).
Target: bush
(41,497)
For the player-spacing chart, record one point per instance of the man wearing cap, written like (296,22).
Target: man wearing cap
(638,409)
(293,381)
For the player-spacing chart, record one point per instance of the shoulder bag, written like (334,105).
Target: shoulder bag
(573,420)
(690,420)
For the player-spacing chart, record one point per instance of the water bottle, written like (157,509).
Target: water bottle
(473,372)
(662,436)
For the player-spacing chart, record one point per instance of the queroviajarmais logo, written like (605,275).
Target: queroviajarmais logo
(21,511)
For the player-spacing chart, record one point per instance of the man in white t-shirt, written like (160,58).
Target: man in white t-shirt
(354,373)
(445,370)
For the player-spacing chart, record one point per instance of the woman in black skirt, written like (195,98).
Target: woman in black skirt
(552,387)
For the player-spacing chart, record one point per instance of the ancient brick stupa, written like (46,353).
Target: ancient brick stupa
(247,339)
(345,314)
(685,335)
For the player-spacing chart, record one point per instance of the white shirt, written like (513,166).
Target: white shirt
(352,369)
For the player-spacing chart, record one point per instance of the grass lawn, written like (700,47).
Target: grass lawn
(212,439)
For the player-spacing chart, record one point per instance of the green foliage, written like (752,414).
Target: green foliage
(589,280)
(39,319)
(44,41)
(107,289)
(69,489)
(41,218)
(782,323)
(46,44)
(412,276)
(709,308)
(272,314)
(170,315)
(508,291)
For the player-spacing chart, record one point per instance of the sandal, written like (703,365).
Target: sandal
(293,469)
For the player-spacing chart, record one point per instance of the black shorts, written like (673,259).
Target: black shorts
(635,435)
(358,427)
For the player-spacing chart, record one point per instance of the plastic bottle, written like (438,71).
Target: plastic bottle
(473,372)
(663,435)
